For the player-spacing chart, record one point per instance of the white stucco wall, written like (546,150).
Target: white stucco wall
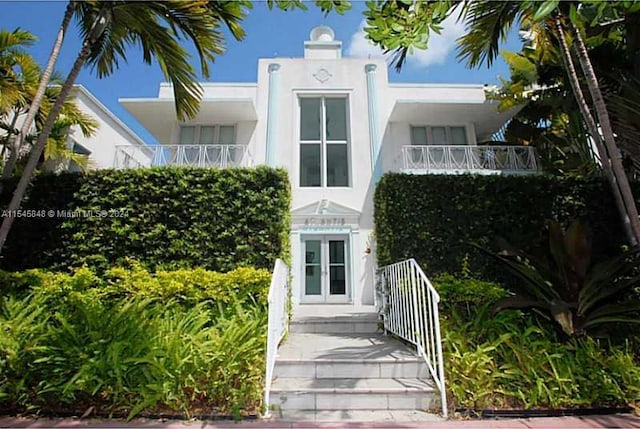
(111,132)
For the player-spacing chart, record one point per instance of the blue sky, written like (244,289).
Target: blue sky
(269,34)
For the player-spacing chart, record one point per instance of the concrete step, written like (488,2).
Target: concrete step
(334,319)
(391,417)
(361,369)
(340,324)
(353,394)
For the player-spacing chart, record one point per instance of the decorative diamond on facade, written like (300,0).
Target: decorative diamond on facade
(322,75)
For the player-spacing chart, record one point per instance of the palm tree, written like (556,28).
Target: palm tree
(401,26)
(36,101)
(108,28)
(15,66)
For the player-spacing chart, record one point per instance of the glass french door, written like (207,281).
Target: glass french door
(325,269)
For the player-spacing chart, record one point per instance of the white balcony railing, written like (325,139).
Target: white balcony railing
(512,159)
(206,156)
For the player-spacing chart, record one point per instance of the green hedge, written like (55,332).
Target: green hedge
(434,218)
(162,217)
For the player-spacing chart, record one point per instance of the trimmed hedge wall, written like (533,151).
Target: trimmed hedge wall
(434,218)
(162,217)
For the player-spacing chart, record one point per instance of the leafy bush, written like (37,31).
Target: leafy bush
(509,360)
(433,218)
(244,284)
(190,341)
(465,293)
(568,287)
(131,356)
(163,217)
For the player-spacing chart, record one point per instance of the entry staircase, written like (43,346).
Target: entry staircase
(338,363)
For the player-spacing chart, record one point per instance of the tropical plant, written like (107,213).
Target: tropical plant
(568,287)
(512,360)
(18,87)
(16,65)
(403,26)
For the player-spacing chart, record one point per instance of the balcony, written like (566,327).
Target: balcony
(204,156)
(469,159)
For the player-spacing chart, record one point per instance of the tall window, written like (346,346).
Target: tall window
(207,134)
(455,136)
(324,145)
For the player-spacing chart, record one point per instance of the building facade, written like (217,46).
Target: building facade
(336,125)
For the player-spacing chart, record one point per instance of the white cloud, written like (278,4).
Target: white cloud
(439,47)
(361,47)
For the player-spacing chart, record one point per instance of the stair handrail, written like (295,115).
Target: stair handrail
(277,323)
(410,311)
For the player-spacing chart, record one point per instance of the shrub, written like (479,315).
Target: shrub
(434,218)
(190,341)
(465,293)
(510,360)
(132,356)
(568,287)
(244,284)
(163,217)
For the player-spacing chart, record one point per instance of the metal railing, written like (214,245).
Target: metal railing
(410,311)
(498,158)
(277,322)
(207,156)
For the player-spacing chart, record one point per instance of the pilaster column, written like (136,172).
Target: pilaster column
(272,114)
(372,106)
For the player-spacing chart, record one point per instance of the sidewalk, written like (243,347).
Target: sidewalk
(609,421)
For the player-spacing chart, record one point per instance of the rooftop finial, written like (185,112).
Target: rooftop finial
(322,33)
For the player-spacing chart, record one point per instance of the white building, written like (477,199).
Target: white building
(100,147)
(110,134)
(335,124)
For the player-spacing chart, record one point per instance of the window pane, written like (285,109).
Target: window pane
(439,135)
(336,252)
(312,252)
(187,135)
(337,280)
(418,136)
(227,134)
(337,165)
(312,269)
(458,136)
(310,165)
(336,111)
(310,118)
(312,280)
(207,135)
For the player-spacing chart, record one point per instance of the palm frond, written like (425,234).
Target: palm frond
(489,24)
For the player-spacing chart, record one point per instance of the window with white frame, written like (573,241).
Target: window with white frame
(438,135)
(207,134)
(324,143)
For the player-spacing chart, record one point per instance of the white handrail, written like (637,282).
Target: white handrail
(410,311)
(188,155)
(277,322)
(451,157)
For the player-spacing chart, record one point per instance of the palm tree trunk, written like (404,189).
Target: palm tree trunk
(7,139)
(39,95)
(36,151)
(593,130)
(607,132)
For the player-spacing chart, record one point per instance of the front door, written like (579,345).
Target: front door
(325,269)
